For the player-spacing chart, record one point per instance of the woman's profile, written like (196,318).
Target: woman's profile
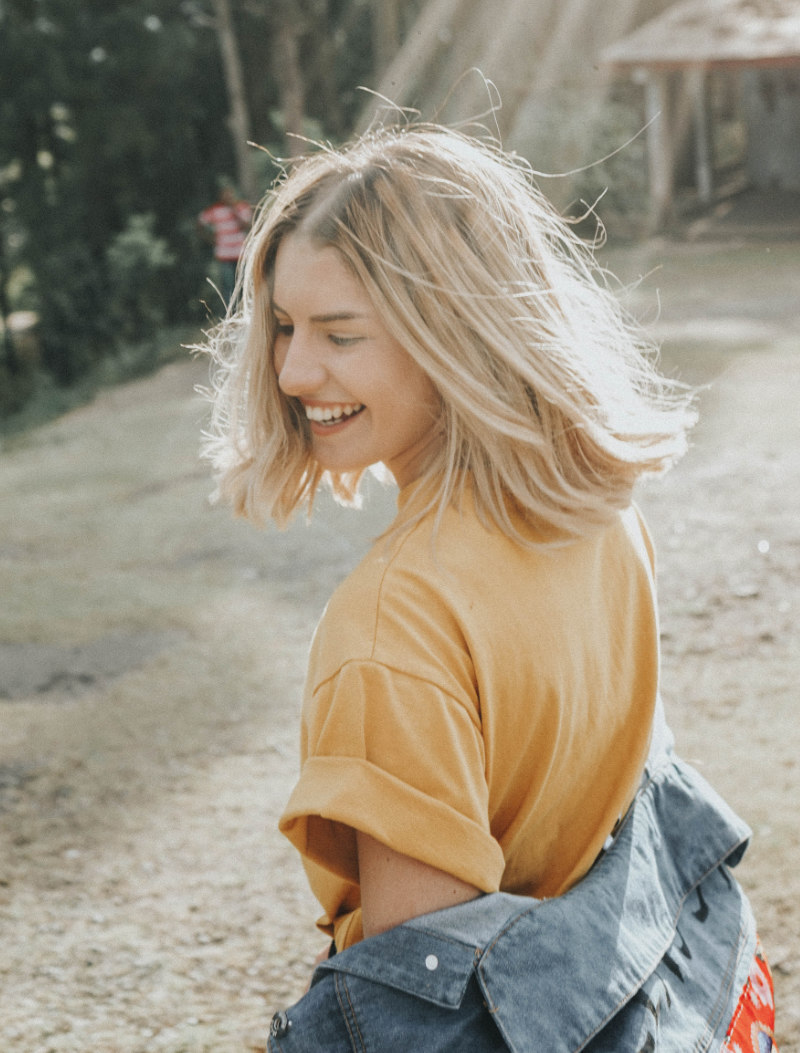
(507,852)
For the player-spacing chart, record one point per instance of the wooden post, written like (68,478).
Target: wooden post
(704,166)
(420,46)
(659,145)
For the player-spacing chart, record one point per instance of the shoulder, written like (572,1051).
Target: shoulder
(639,534)
(433,601)
(400,608)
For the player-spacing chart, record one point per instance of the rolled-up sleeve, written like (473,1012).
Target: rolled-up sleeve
(397,757)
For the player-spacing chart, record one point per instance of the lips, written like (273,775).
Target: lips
(333,414)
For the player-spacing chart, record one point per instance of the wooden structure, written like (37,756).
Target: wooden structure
(758,41)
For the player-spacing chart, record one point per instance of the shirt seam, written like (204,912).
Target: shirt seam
(390,563)
(394,670)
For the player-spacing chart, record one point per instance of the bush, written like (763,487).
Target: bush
(589,152)
(137,261)
(32,397)
(16,388)
(70,302)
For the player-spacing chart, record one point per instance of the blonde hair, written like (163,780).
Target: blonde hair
(550,400)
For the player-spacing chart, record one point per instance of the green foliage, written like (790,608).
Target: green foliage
(75,330)
(616,176)
(32,396)
(137,261)
(17,386)
(113,126)
(590,153)
(107,111)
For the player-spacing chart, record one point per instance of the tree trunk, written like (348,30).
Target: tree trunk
(410,62)
(385,34)
(239,117)
(290,78)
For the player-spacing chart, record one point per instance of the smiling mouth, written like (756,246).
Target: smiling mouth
(333,414)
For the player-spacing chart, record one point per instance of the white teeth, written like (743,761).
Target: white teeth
(326,414)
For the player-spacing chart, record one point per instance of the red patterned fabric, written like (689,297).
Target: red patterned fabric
(752,1026)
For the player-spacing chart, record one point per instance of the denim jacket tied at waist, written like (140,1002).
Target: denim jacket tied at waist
(647,953)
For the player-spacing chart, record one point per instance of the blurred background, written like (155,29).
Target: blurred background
(119,119)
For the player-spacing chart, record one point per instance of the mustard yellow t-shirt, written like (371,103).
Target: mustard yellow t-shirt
(478,705)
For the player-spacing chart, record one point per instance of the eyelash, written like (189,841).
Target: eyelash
(340,341)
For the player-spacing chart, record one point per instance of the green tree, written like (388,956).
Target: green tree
(108,110)
(113,109)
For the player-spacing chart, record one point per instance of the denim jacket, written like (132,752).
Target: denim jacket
(648,952)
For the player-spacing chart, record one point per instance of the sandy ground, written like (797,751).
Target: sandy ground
(152,653)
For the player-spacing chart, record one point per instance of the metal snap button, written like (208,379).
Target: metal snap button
(431,963)
(280,1025)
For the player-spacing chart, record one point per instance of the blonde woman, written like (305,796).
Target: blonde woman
(506,850)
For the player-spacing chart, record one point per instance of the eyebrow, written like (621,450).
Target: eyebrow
(334,316)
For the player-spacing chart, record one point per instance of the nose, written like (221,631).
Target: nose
(299,367)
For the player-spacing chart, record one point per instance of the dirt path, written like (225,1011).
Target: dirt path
(152,652)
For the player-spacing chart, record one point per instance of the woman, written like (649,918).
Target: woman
(507,852)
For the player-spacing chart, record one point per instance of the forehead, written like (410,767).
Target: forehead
(314,276)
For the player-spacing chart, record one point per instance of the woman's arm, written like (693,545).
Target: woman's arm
(395,887)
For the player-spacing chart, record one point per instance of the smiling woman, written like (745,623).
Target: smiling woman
(489,806)
(366,399)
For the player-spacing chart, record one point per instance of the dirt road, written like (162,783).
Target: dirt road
(152,652)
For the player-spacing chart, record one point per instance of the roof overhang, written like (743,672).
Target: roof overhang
(713,34)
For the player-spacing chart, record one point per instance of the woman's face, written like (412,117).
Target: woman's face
(365,398)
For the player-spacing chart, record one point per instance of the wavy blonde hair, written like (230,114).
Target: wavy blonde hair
(550,400)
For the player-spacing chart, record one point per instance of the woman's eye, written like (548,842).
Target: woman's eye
(343,341)
(284,329)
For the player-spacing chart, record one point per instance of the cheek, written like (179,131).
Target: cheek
(413,380)
(424,393)
(419,410)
